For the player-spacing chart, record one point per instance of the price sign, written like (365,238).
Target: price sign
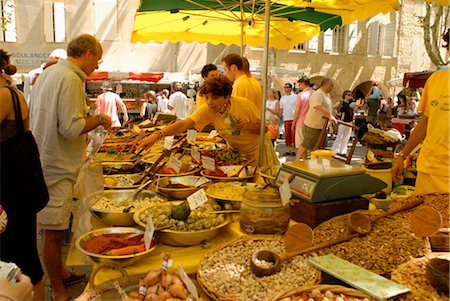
(230,170)
(285,193)
(195,154)
(201,181)
(197,199)
(175,164)
(168,142)
(208,163)
(125,182)
(188,282)
(149,230)
(213,134)
(191,135)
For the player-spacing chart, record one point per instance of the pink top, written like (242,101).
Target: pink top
(107,104)
(302,105)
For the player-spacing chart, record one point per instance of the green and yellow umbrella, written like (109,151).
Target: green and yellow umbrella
(242,22)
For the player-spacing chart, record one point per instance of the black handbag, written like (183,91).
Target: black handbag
(22,179)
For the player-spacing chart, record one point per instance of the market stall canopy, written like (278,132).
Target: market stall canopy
(242,22)
(125,76)
(416,79)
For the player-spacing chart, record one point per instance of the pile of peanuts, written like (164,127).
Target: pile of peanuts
(226,272)
(413,275)
(388,244)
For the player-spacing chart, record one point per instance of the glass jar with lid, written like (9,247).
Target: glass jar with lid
(262,212)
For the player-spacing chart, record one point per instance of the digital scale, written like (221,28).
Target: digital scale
(323,180)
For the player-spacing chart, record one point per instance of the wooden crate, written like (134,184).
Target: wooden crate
(313,214)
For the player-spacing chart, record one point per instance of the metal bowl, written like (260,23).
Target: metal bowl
(178,193)
(121,167)
(184,238)
(113,181)
(122,260)
(116,218)
(269,174)
(437,273)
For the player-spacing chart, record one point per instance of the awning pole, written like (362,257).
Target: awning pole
(262,130)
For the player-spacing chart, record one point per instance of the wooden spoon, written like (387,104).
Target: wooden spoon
(361,223)
(425,222)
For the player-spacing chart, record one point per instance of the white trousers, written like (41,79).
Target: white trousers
(343,136)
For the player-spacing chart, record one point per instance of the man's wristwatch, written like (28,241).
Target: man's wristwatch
(101,119)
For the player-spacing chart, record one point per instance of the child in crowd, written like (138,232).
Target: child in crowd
(274,128)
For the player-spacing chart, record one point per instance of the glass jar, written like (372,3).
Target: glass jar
(262,212)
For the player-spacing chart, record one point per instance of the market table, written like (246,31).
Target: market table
(402,124)
(188,257)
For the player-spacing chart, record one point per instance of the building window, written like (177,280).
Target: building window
(388,39)
(301,46)
(8,21)
(352,36)
(313,44)
(54,22)
(374,38)
(328,40)
(105,19)
(339,39)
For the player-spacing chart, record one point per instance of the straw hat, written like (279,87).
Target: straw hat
(106,86)
(58,53)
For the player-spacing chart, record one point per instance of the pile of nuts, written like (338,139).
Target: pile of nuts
(388,244)
(413,275)
(128,205)
(226,272)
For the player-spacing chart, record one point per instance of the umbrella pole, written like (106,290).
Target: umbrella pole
(262,130)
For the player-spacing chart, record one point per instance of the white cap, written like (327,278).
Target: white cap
(59,53)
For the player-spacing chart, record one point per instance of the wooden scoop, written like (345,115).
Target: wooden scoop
(361,223)
(273,260)
(425,222)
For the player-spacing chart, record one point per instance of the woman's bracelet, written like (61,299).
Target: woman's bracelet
(8,297)
(101,120)
(401,154)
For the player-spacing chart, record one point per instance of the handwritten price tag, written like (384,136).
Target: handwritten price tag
(208,163)
(213,134)
(191,135)
(125,182)
(285,193)
(149,231)
(188,282)
(175,164)
(201,181)
(168,142)
(197,199)
(195,154)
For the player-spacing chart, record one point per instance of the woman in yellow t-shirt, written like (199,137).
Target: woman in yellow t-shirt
(236,119)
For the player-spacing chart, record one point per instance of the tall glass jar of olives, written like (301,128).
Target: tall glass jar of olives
(262,212)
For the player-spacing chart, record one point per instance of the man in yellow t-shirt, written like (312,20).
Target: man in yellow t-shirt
(242,86)
(209,71)
(433,129)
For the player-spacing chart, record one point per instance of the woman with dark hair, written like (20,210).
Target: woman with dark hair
(345,113)
(235,118)
(18,241)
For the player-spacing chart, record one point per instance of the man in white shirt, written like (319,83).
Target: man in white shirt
(320,105)
(178,102)
(287,105)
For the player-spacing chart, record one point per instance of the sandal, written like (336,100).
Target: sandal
(73,278)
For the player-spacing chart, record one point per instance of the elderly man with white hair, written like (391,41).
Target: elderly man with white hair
(31,77)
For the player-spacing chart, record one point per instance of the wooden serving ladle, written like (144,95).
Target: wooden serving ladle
(425,222)
(361,223)
(298,240)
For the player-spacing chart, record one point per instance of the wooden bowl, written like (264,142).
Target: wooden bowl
(437,274)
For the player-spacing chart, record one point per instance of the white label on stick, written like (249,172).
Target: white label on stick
(188,282)
(168,142)
(149,230)
(175,164)
(125,182)
(197,199)
(285,193)
(195,154)
(213,134)
(201,181)
(191,135)
(208,163)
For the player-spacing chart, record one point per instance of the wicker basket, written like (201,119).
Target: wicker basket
(336,289)
(218,296)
